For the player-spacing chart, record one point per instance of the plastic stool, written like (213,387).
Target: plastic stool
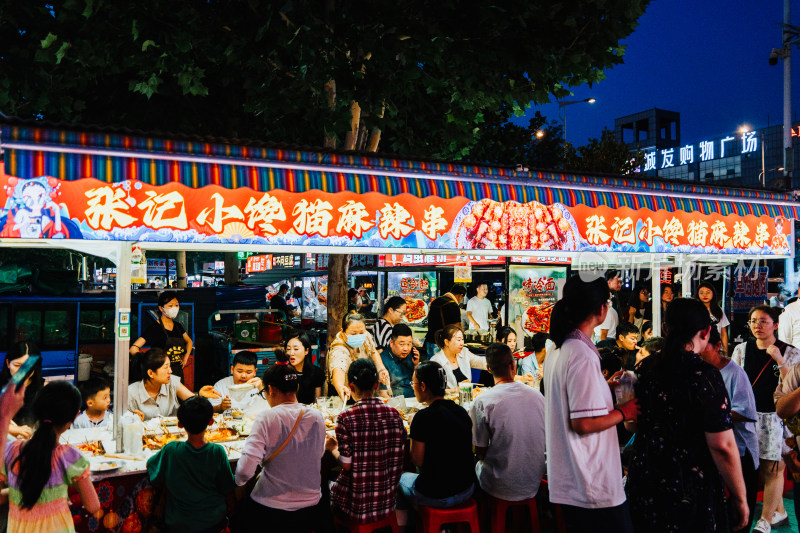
(339,520)
(498,509)
(432,519)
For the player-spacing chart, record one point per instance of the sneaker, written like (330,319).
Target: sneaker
(779,519)
(762,526)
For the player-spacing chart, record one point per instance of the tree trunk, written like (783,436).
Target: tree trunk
(338,266)
(355,118)
(180,268)
(231,268)
(374,140)
(330,93)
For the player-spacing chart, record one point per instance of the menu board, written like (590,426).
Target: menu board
(533,292)
(418,289)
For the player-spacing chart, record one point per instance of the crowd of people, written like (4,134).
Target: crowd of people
(682,451)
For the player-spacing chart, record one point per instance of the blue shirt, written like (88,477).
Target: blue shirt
(401,371)
(743,402)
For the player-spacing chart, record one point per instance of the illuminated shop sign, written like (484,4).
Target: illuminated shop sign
(741,144)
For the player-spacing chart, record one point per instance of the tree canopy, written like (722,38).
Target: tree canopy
(430,76)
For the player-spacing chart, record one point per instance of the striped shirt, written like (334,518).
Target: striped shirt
(382,331)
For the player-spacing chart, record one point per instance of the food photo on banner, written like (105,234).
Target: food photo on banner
(533,292)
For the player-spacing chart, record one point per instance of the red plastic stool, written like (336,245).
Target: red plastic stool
(498,509)
(432,519)
(340,520)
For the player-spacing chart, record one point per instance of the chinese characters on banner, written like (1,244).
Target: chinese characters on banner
(46,207)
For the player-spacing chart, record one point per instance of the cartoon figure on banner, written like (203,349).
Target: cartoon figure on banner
(31,212)
(779,240)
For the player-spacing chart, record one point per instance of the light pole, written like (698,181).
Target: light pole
(564,103)
(791,36)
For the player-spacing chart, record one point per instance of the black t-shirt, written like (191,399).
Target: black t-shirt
(443,311)
(448,467)
(171,341)
(764,388)
(311,378)
(278,302)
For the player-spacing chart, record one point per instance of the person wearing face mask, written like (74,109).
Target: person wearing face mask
(353,342)
(167,334)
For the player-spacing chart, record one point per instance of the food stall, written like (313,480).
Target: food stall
(105,191)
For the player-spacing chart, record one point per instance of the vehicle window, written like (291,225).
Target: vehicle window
(28,326)
(96,326)
(57,329)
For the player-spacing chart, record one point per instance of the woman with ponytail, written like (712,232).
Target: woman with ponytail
(583,462)
(441,445)
(369,445)
(287,441)
(685,447)
(39,471)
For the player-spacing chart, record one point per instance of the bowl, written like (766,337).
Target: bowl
(239,392)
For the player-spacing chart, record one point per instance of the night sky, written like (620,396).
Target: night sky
(707,60)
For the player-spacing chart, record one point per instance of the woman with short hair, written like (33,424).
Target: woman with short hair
(441,445)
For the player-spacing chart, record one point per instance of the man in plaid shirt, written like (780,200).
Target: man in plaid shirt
(369,444)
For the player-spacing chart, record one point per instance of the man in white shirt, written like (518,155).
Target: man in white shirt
(479,308)
(504,416)
(608,329)
(243,371)
(789,325)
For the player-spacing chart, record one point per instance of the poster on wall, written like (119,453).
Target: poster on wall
(47,207)
(533,292)
(418,289)
(750,288)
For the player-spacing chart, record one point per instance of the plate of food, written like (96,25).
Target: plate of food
(223,434)
(416,310)
(169,420)
(94,447)
(106,466)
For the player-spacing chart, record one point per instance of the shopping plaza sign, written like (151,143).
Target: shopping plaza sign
(47,207)
(743,143)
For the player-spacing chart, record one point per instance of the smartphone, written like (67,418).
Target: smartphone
(23,373)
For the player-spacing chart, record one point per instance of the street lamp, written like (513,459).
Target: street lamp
(762,177)
(564,103)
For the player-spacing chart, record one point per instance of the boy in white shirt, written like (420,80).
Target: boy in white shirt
(243,370)
(96,394)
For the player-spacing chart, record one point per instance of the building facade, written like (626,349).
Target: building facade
(739,159)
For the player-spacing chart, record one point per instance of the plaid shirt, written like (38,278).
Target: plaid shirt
(372,439)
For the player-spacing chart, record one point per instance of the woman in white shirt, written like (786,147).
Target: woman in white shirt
(454,357)
(583,463)
(287,441)
(707,294)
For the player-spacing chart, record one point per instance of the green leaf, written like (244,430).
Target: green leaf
(49,40)
(134,30)
(147,44)
(61,52)
(88,11)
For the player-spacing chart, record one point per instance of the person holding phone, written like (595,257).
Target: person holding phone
(17,355)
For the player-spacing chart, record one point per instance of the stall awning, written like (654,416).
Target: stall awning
(32,151)
(228,189)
